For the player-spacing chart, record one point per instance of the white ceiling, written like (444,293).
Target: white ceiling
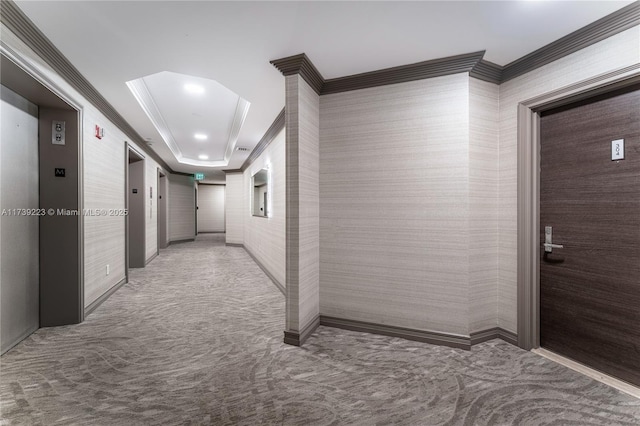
(112,42)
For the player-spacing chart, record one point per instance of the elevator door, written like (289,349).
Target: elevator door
(590,287)
(19,261)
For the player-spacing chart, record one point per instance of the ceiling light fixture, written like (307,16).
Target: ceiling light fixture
(203,157)
(194,89)
(200,136)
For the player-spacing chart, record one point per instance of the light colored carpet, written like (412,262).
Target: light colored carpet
(196,338)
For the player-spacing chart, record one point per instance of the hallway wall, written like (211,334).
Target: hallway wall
(394,188)
(263,237)
(234,208)
(182,218)
(151,208)
(614,53)
(211,208)
(103,182)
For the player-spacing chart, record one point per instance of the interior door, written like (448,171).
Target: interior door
(590,287)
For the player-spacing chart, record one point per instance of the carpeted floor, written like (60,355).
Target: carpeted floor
(196,339)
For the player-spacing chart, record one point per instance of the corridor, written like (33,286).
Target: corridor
(196,338)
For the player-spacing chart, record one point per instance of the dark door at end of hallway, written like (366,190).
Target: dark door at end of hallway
(590,205)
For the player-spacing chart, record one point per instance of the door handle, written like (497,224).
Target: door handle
(548,247)
(548,240)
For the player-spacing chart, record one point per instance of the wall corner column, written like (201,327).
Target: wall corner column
(302,118)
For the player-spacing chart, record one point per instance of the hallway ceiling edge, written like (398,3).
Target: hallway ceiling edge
(233,43)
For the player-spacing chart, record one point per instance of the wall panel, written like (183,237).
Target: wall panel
(211,208)
(234,208)
(182,218)
(394,172)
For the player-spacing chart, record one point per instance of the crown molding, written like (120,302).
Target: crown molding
(419,71)
(610,25)
(300,64)
(273,130)
(487,71)
(19,24)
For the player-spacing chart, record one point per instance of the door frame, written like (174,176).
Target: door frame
(24,63)
(528,186)
(128,148)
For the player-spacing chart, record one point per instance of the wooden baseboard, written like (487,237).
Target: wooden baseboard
(186,240)
(494,333)
(234,244)
(434,338)
(431,337)
(100,300)
(150,259)
(297,338)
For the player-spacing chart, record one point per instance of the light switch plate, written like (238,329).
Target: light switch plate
(617,150)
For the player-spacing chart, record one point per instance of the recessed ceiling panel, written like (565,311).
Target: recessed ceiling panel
(199,119)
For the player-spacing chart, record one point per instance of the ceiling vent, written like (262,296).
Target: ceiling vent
(242,149)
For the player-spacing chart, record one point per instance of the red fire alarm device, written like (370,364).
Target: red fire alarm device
(99,132)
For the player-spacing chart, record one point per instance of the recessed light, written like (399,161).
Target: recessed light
(200,136)
(203,157)
(194,89)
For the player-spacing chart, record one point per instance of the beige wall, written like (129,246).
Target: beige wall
(234,208)
(182,213)
(611,54)
(210,208)
(483,204)
(394,187)
(103,182)
(265,237)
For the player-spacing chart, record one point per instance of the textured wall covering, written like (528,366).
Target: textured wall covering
(394,173)
(103,183)
(483,204)
(302,186)
(265,237)
(210,208)
(234,208)
(182,217)
(151,207)
(613,53)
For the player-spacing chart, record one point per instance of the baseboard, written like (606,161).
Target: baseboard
(432,337)
(186,240)
(19,339)
(211,232)
(100,300)
(265,270)
(297,338)
(494,333)
(150,259)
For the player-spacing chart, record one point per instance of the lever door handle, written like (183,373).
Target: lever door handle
(548,247)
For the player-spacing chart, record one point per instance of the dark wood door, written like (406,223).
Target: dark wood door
(590,289)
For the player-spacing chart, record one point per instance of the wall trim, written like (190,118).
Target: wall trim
(301,64)
(186,240)
(487,71)
(271,133)
(528,244)
(18,23)
(20,338)
(431,337)
(273,279)
(297,338)
(148,261)
(493,333)
(610,25)
(404,73)
(107,294)
(425,336)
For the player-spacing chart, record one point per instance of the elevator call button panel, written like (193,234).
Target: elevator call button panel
(57,132)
